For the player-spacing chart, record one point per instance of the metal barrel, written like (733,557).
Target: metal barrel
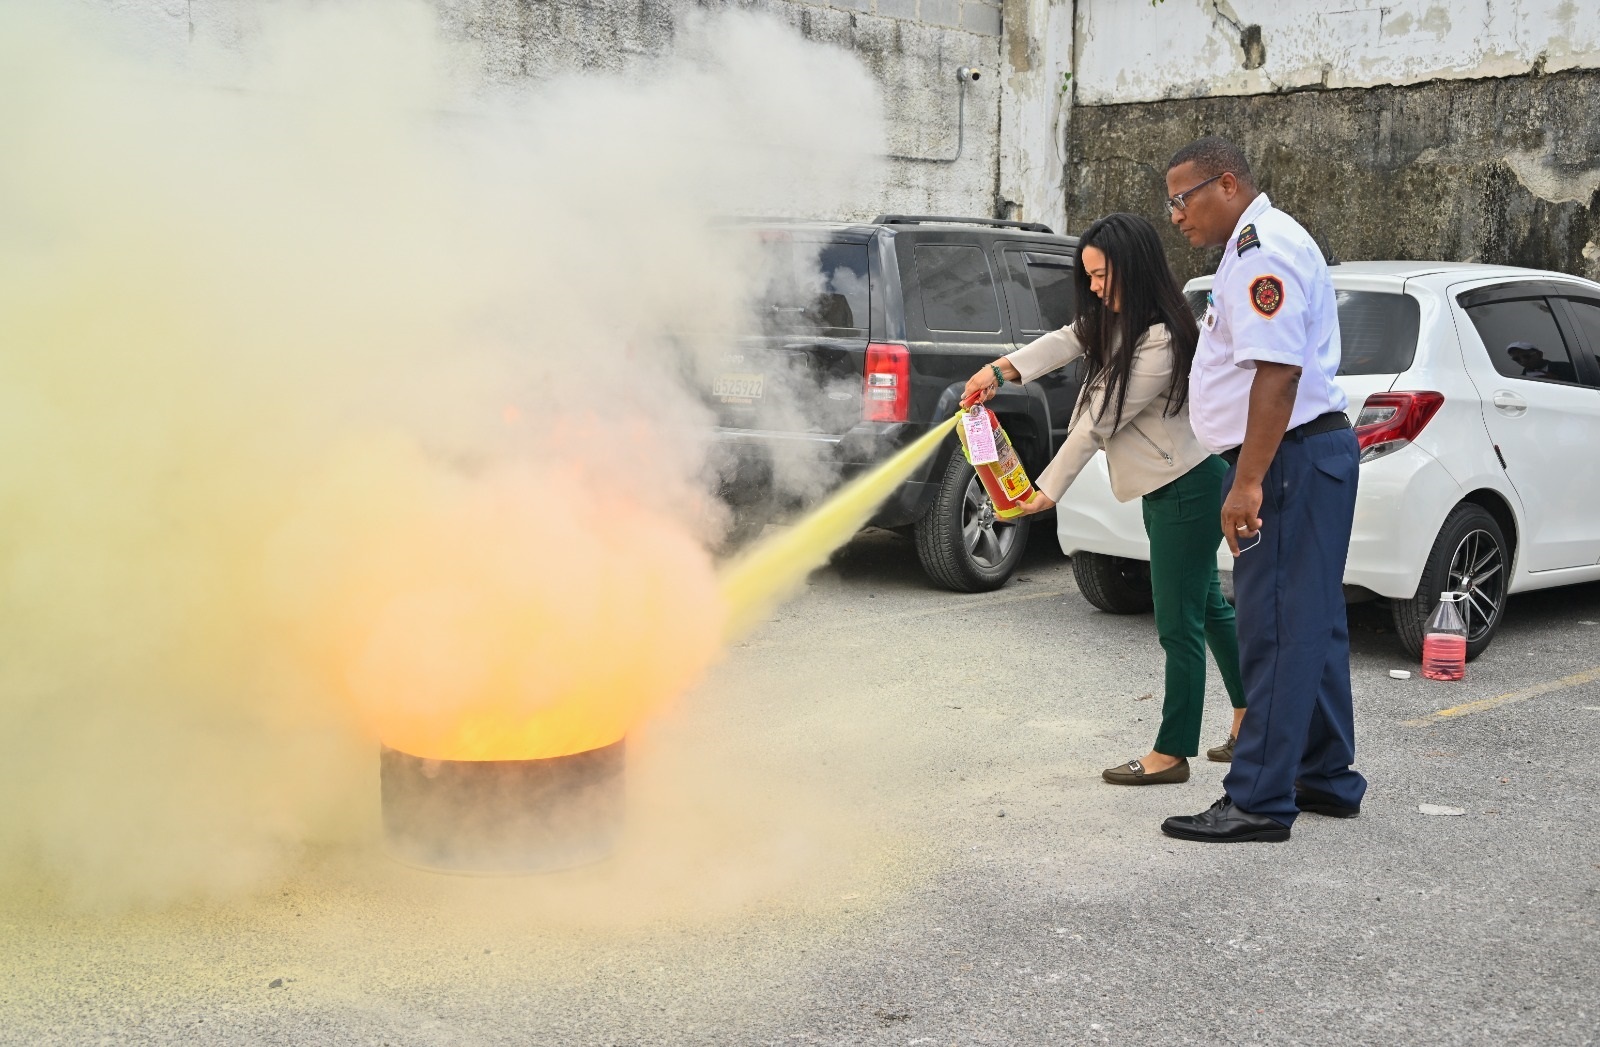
(502,816)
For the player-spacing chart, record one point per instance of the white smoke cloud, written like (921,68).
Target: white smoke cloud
(276,305)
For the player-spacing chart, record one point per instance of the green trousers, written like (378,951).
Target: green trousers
(1182,522)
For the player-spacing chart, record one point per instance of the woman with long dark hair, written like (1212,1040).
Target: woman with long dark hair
(1137,337)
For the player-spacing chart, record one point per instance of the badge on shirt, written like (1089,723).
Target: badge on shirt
(1266,294)
(1210,319)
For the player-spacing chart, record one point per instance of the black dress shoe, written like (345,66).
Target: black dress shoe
(1222,822)
(1315,801)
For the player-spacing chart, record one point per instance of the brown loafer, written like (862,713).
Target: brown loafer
(1224,752)
(1133,773)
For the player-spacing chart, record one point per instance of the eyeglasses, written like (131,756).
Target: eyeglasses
(1181,201)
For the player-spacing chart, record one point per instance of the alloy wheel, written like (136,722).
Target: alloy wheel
(1477,568)
(988,539)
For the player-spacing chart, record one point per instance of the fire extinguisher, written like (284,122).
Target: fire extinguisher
(995,460)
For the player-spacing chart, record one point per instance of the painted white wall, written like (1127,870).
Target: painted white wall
(1136,51)
(1035,105)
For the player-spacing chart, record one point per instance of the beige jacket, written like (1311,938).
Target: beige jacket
(1148,450)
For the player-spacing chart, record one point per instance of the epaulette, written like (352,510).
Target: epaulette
(1247,239)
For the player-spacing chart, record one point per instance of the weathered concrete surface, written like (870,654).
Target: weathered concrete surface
(1035,104)
(1502,170)
(1135,52)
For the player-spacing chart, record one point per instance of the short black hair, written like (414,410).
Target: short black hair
(1212,156)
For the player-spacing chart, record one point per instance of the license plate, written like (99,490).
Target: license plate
(737,388)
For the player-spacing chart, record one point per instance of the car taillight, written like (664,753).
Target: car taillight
(886,396)
(1389,421)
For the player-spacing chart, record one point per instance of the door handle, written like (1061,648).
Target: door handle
(1509,403)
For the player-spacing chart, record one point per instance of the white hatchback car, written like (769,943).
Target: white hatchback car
(1475,394)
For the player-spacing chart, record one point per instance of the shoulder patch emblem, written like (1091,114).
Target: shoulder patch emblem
(1247,239)
(1266,294)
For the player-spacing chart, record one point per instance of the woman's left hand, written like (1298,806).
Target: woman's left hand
(1040,502)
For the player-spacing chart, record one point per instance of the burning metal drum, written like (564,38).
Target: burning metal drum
(502,816)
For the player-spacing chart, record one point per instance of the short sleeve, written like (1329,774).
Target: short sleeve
(1269,310)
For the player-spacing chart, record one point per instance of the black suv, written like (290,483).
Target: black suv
(870,333)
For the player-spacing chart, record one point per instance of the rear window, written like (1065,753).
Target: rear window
(1523,340)
(957,289)
(1377,329)
(1587,315)
(815,288)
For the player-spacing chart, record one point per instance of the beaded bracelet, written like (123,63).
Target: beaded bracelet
(999,378)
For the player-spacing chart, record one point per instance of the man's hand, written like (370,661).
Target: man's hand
(1272,393)
(1239,514)
(1040,502)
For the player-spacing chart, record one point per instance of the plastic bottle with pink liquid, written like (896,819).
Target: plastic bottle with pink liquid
(1444,640)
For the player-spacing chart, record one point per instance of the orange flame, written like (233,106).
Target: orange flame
(498,625)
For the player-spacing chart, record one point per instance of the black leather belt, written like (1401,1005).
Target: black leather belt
(1331,422)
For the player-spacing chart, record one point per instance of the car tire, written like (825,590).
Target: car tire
(1470,555)
(961,544)
(1114,584)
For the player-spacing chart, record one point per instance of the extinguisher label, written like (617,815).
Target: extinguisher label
(980,438)
(1014,483)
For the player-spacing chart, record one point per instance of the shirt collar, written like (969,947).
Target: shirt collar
(1257,208)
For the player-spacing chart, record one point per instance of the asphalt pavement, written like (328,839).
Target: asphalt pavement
(880,821)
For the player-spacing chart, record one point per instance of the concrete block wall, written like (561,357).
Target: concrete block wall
(912,48)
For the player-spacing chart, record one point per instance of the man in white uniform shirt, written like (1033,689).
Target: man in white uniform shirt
(1262,395)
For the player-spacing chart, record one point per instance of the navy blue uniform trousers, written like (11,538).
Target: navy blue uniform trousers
(1294,642)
